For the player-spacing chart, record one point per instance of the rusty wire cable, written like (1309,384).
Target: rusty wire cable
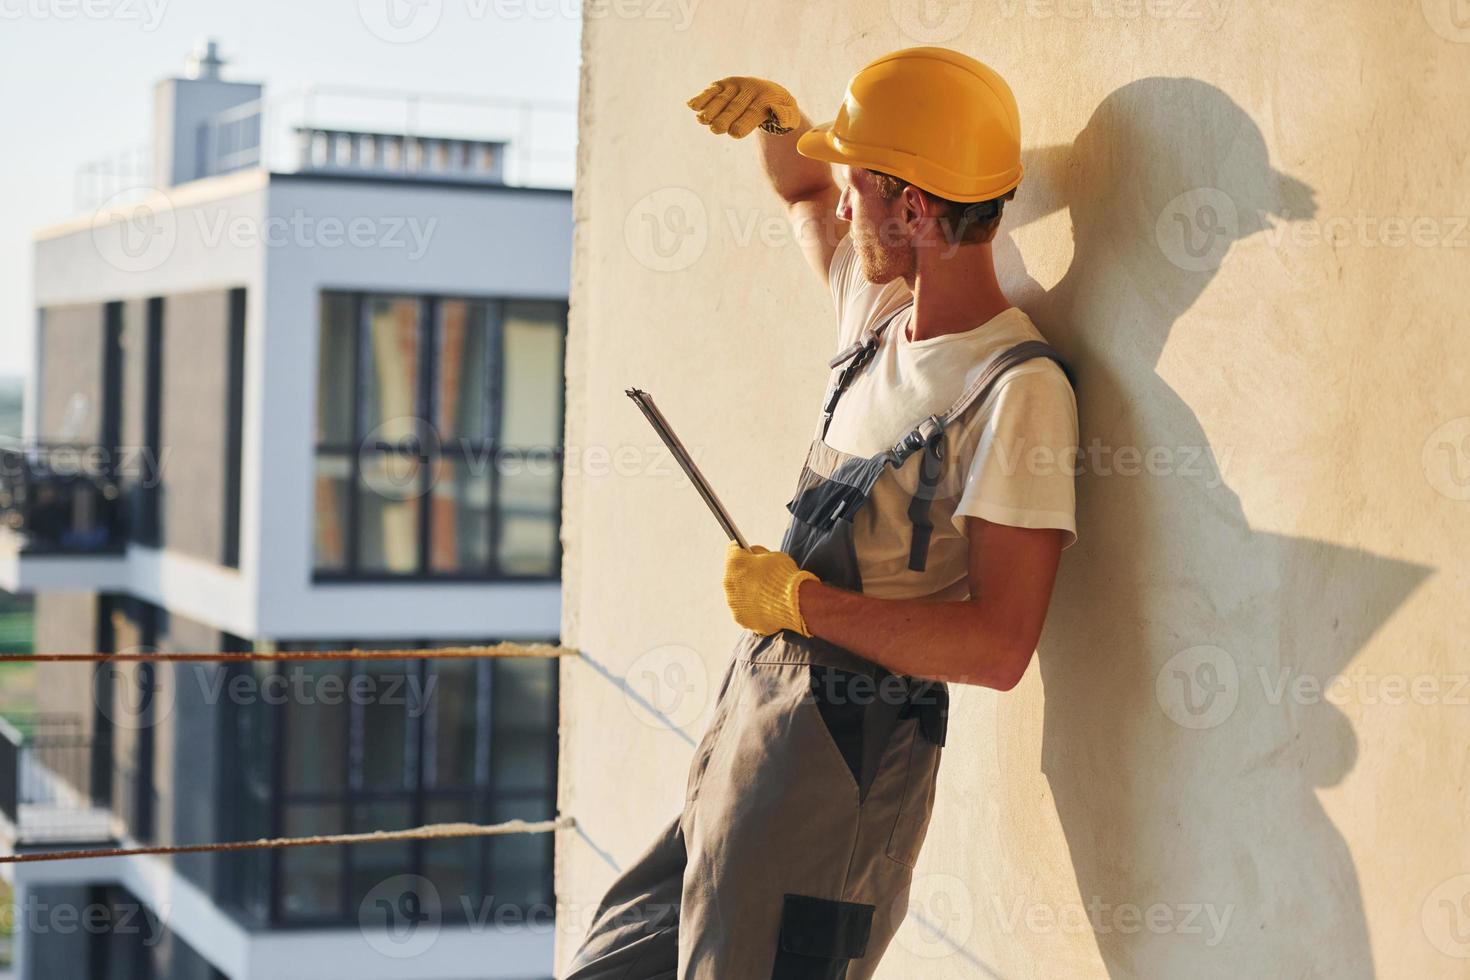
(500,650)
(439,831)
(426,832)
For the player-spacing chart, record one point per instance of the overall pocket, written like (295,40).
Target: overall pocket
(820,937)
(917,803)
(836,695)
(711,736)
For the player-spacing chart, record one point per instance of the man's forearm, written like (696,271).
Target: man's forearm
(741,105)
(793,176)
(964,642)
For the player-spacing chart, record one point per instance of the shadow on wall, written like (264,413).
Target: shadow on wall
(1183,762)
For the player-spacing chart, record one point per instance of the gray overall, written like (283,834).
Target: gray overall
(809,796)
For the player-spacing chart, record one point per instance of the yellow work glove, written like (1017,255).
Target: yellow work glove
(738,104)
(761,587)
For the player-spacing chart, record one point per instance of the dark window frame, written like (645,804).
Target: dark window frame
(428,374)
(112,378)
(482,792)
(126,785)
(234,427)
(148,518)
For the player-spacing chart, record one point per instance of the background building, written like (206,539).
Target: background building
(291,395)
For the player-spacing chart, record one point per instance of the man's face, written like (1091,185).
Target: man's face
(879,233)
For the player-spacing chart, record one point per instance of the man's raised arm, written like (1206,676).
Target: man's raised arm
(740,105)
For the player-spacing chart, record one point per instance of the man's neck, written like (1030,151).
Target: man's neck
(954,292)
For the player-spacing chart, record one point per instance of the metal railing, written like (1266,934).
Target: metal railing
(539,135)
(98,180)
(47,790)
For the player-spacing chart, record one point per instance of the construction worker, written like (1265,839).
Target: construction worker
(925,534)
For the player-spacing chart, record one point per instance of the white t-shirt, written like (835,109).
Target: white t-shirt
(1010,459)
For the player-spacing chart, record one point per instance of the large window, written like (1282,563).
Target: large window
(127,713)
(439,426)
(384,745)
(138,428)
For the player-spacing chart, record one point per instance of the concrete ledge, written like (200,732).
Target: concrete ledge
(474,952)
(23,573)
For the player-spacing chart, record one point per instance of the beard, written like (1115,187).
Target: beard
(883,263)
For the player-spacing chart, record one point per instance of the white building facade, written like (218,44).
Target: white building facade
(291,409)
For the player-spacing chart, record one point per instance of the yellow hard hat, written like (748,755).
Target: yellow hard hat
(931,116)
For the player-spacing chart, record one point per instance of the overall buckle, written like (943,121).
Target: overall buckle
(930,432)
(846,354)
(926,433)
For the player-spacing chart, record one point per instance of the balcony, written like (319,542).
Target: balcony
(48,770)
(62,519)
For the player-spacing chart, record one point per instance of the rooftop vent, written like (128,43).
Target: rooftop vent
(205,63)
(417,157)
(186,137)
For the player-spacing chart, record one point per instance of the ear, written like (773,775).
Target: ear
(917,205)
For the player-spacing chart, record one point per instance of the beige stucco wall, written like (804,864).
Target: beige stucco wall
(1243,748)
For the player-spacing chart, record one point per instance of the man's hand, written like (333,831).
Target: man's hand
(761,588)
(738,105)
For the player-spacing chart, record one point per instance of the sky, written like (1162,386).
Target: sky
(77,77)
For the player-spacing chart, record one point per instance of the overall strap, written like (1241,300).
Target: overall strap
(928,435)
(1004,361)
(855,355)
